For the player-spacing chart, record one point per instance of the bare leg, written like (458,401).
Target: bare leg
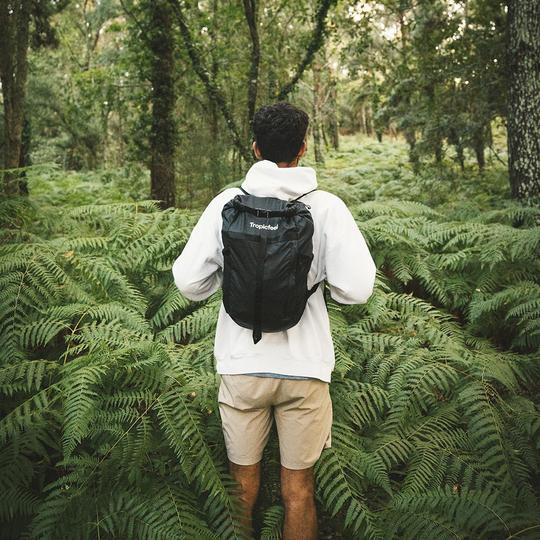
(249,478)
(298,492)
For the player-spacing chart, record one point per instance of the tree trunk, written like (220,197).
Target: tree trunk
(455,139)
(14,38)
(163,131)
(362,114)
(24,158)
(410,137)
(332,115)
(250,11)
(316,124)
(524,99)
(369,120)
(324,137)
(215,146)
(435,133)
(478,146)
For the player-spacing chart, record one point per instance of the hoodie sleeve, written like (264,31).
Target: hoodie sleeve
(197,271)
(350,269)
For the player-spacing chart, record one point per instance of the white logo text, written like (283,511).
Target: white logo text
(266,227)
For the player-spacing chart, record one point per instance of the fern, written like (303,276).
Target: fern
(110,424)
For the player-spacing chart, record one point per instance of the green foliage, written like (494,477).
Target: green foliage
(110,425)
(434,71)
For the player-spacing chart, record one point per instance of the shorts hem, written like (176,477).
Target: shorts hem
(297,467)
(243,461)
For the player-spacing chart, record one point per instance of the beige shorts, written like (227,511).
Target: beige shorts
(302,409)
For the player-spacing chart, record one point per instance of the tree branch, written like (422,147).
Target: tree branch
(212,90)
(315,44)
(131,15)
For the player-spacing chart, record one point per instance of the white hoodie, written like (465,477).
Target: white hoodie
(341,256)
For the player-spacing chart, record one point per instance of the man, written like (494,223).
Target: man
(285,375)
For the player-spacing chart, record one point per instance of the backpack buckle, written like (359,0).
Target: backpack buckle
(261,212)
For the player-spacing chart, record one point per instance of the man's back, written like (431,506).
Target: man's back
(341,256)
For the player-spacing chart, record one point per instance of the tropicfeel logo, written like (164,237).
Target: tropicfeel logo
(260,226)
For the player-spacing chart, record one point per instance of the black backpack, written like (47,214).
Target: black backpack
(267,254)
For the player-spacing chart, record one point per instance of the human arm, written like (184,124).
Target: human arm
(197,271)
(350,269)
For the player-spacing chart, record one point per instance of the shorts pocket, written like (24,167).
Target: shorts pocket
(226,391)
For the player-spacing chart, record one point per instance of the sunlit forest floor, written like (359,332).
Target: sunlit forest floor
(363,169)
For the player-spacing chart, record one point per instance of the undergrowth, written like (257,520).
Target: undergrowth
(109,421)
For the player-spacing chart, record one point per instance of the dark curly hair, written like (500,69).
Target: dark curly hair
(279,130)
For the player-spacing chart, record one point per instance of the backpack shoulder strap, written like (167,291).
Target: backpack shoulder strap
(304,194)
(244,190)
(315,287)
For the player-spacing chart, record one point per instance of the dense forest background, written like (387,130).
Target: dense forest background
(123,118)
(122,86)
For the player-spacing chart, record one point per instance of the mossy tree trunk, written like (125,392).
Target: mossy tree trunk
(163,130)
(524,99)
(14,41)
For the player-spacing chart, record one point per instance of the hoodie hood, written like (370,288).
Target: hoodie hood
(266,179)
